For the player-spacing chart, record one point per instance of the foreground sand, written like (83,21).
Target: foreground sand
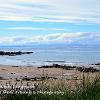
(11,72)
(17,74)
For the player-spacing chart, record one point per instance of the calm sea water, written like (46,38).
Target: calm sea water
(51,54)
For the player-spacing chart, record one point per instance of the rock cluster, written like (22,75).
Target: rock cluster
(2,53)
(69,67)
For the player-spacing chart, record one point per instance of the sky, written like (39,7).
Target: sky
(49,21)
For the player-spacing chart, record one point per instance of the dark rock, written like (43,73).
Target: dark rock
(90,69)
(2,53)
(1,78)
(12,73)
(97,64)
(15,66)
(67,67)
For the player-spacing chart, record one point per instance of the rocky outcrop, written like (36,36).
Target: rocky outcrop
(2,53)
(67,67)
(90,69)
(70,67)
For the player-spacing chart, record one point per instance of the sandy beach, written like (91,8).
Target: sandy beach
(11,72)
(32,74)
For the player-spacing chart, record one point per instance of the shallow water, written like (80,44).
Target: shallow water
(51,54)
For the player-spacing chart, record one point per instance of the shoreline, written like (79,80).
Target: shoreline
(12,72)
(95,65)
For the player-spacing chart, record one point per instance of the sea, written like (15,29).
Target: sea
(51,54)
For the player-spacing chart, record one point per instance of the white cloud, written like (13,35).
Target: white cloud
(74,11)
(49,38)
(34,28)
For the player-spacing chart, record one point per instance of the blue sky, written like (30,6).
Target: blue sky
(49,21)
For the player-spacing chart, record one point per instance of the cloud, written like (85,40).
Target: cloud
(49,38)
(34,28)
(73,11)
